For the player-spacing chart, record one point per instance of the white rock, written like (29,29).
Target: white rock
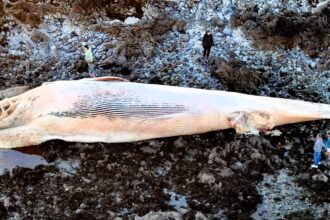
(320,6)
(227,30)
(320,177)
(160,216)
(200,216)
(131,20)
(206,178)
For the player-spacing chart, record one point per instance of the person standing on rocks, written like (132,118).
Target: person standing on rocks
(328,146)
(89,60)
(207,43)
(319,144)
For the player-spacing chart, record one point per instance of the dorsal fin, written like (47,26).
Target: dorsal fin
(109,78)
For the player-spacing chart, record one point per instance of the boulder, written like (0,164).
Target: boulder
(81,66)
(206,178)
(108,63)
(320,177)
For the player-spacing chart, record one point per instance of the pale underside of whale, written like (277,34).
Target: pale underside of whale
(113,110)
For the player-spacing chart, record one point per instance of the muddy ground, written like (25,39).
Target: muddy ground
(206,176)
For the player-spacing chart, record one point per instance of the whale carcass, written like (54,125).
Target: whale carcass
(113,110)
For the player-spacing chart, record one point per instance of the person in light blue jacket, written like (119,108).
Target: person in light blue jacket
(319,144)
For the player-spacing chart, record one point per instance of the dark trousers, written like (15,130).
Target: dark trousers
(207,51)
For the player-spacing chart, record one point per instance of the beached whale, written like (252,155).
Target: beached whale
(113,110)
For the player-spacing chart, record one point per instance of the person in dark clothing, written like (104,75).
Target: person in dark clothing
(207,43)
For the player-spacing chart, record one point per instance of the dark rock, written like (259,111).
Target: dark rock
(287,30)
(181,26)
(108,63)
(81,66)
(125,71)
(3,212)
(237,77)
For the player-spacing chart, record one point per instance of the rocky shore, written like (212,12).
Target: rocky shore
(270,48)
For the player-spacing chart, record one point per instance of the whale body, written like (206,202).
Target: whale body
(113,110)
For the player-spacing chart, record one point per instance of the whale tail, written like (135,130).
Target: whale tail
(293,111)
(274,112)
